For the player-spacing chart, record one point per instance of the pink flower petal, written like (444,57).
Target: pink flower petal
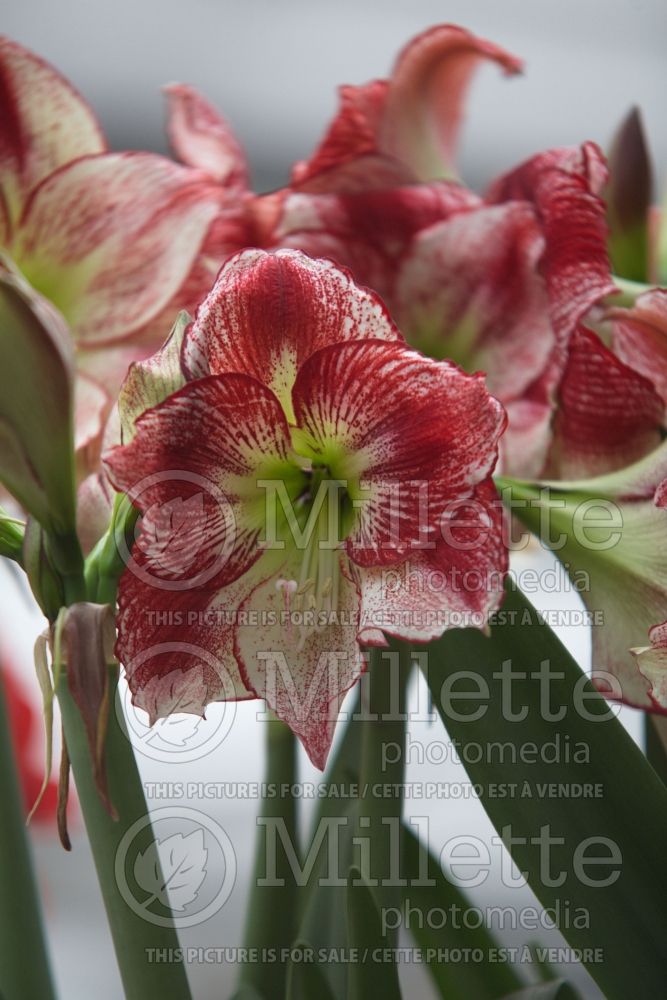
(91,407)
(652,665)
(368,232)
(110,239)
(470,289)
(44,124)
(396,131)
(639,337)
(424,105)
(608,415)
(202,138)
(348,158)
(94,506)
(563,185)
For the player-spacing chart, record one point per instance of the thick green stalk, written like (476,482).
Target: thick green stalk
(272,911)
(24,964)
(382,771)
(137,941)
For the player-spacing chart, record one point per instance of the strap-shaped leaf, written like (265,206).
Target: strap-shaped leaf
(627,915)
(305,979)
(371,975)
(461,980)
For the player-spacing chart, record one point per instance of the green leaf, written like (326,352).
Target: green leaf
(455,981)
(246,993)
(272,908)
(370,975)
(323,907)
(306,980)
(556,990)
(626,804)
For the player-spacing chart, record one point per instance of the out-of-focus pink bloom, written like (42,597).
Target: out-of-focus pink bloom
(27,731)
(111,239)
(639,336)
(405,129)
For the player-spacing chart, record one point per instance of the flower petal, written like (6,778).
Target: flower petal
(470,290)
(457,584)
(44,124)
(396,131)
(268,312)
(348,158)
(424,103)
(192,469)
(110,239)
(177,653)
(609,535)
(202,138)
(368,232)
(412,431)
(149,382)
(302,672)
(608,415)
(652,664)
(639,337)
(630,590)
(94,506)
(564,185)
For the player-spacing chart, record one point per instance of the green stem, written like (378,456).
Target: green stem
(24,964)
(271,921)
(135,938)
(382,771)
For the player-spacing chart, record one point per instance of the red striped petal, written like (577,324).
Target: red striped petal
(414,432)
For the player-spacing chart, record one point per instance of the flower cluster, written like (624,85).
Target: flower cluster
(289,446)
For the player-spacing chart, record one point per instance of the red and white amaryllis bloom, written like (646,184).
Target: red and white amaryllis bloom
(497,284)
(109,238)
(312,484)
(404,129)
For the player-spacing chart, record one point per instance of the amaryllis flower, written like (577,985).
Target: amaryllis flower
(388,136)
(610,532)
(404,129)
(109,238)
(300,493)
(497,284)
